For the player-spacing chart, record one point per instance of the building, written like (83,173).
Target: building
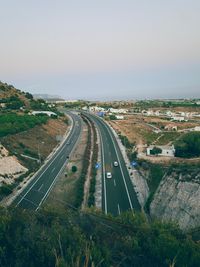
(96,109)
(48,113)
(119,117)
(171,127)
(118,111)
(167,151)
(178,118)
(197,128)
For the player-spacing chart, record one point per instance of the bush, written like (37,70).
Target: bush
(74,169)
(155,151)
(112,117)
(125,141)
(12,123)
(188,146)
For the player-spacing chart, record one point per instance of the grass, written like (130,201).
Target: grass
(168,137)
(148,136)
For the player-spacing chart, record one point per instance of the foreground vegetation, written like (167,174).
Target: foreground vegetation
(69,238)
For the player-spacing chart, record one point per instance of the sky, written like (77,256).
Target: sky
(102,50)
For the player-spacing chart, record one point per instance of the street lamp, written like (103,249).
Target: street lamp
(39,155)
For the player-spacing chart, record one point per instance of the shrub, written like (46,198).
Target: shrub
(188,146)
(74,169)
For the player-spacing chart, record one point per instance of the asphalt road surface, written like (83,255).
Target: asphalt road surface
(118,194)
(38,189)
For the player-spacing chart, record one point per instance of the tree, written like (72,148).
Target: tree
(188,146)
(74,169)
(155,151)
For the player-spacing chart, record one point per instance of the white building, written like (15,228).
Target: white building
(96,109)
(178,118)
(167,151)
(85,108)
(119,117)
(197,128)
(48,113)
(171,127)
(118,111)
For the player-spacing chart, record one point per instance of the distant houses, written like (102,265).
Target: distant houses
(109,111)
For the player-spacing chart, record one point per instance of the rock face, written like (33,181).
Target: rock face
(10,168)
(178,199)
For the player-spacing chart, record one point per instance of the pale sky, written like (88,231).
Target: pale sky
(108,49)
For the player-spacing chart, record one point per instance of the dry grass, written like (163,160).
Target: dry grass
(40,139)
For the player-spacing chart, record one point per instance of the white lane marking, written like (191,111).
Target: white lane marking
(45,168)
(40,187)
(114,182)
(120,166)
(53,170)
(62,157)
(48,191)
(118,209)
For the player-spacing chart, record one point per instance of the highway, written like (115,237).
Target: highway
(38,189)
(118,194)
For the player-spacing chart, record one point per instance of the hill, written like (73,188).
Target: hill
(23,136)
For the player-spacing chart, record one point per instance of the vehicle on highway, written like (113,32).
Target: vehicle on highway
(115,163)
(68,142)
(109,175)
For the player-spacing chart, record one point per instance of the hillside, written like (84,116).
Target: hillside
(9,96)
(26,140)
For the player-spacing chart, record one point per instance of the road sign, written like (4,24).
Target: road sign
(133,163)
(97,165)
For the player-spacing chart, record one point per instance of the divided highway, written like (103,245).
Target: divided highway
(38,189)
(118,193)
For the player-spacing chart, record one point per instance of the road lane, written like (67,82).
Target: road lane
(118,194)
(32,196)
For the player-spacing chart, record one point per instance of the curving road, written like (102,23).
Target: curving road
(38,189)
(118,194)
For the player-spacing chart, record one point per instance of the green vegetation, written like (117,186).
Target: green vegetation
(74,168)
(91,198)
(126,142)
(155,151)
(40,104)
(188,146)
(86,161)
(12,123)
(168,137)
(75,105)
(13,102)
(156,174)
(150,136)
(68,238)
(5,190)
(132,155)
(145,104)
(112,117)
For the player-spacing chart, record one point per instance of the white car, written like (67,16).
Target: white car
(116,163)
(109,175)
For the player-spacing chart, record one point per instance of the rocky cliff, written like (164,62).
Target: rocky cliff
(178,199)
